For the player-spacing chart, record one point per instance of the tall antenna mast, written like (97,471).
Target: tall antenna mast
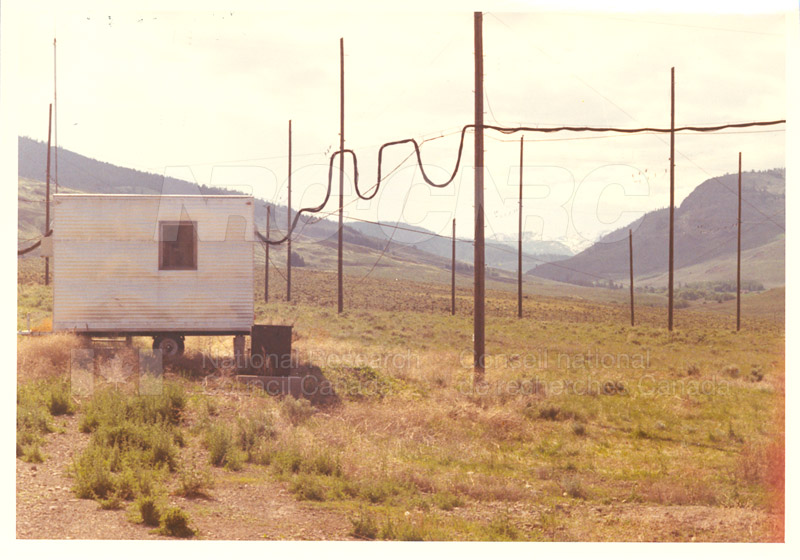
(55,112)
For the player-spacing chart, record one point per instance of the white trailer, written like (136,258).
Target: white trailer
(166,266)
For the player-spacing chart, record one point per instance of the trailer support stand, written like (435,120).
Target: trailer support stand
(238,351)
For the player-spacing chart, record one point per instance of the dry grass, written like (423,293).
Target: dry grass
(40,357)
(554,428)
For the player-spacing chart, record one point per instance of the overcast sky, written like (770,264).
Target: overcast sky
(208,95)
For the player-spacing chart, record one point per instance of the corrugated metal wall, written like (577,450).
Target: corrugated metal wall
(106,274)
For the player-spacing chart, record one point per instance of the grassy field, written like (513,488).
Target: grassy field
(586,428)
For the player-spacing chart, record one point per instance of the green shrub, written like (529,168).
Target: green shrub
(149,511)
(111,503)
(447,501)
(133,444)
(501,529)
(261,454)
(32,454)
(195,483)
(324,463)
(162,450)
(381,490)
(59,399)
(287,461)
(92,473)
(175,523)
(364,525)
(403,529)
(222,449)
(296,411)
(113,407)
(308,487)
(34,418)
(363,382)
(253,430)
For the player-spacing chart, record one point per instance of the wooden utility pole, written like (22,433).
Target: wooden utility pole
(453,274)
(479,366)
(739,253)
(266,259)
(289,225)
(47,196)
(519,264)
(341,170)
(630,252)
(671,198)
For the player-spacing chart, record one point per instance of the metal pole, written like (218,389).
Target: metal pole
(671,198)
(266,259)
(341,170)
(55,102)
(519,264)
(630,247)
(739,253)
(479,366)
(453,274)
(289,225)
(47,196)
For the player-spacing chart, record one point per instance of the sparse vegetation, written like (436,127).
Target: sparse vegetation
(410,451)
(194,482)
(37,403)
(134,444)
(149,511)
(176,523)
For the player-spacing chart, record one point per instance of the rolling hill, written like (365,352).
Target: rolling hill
(705,237)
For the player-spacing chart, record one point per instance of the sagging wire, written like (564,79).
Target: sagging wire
(502,130)
(27,250)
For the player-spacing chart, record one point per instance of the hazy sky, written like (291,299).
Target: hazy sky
(208,95)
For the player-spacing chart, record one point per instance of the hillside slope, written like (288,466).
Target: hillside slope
(498,255)
(705,230)
(79,173)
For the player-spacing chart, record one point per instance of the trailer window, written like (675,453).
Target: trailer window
(177,246)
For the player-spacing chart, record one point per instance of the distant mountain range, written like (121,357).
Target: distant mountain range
(498,255)
(705,232)
(84,174)
(705,227)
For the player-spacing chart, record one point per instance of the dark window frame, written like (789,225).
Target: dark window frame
(162,241)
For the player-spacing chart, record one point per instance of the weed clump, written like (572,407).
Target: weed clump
(133,445)
(363,382)
(307,487)
(149,511)
(253,430)
(195,483)
(37,403)
(175,523)
(614,388)
(551,413)
(296,411)
(574,489)
(364,525)
(222,448)
(447,501)
(501,529)
(731,371)
(756,373)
